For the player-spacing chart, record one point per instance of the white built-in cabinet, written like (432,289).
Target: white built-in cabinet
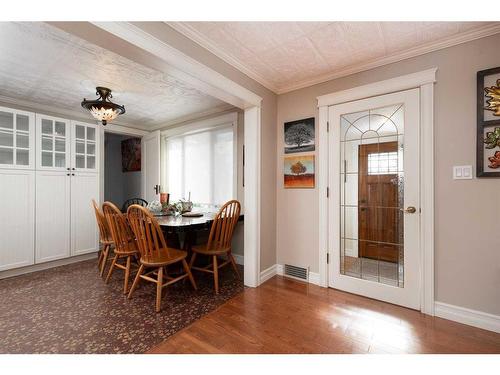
(17,225)
(48,177)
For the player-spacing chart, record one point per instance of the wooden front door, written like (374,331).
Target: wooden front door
(378,209)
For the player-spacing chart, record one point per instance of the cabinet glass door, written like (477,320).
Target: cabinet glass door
(53,143)
(85,147)
(16,139)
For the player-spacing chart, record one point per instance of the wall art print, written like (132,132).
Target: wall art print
(131,155)
(488,123)
(299,171)
(299,136)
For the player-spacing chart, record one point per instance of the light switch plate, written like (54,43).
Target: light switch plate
(462,172)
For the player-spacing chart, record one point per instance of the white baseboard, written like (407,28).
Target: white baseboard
(470,317)
(278,269)
(267,274)
(47,265)
(314,278)
(239,259)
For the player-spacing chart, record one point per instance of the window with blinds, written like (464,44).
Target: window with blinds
(201,164)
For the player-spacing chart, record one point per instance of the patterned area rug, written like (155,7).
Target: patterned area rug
(69,309)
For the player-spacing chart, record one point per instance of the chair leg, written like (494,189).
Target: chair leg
(233,263)
(191,262)
(104,260)
(99,258)
(136,281)
(159,288)
(216,275)
(190,275)
(111,269)
(127,275)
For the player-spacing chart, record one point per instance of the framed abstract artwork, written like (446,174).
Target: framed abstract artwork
(488,123)
(298,172)
(131,155)
(299,136)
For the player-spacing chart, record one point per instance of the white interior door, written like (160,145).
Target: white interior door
(150,167)
(374,207)
(84,231)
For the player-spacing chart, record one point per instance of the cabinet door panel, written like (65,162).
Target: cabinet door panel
(52,215)
(17,139)
(53,143)
(17,231)
(84,146)
(84,231)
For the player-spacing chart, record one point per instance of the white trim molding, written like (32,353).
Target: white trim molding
(424,80)
(199,125)
(268,273)
(47,265)
(459,38)
(470,317)
(406,82)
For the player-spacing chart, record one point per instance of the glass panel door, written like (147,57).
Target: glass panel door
(85,147)
(374,207)
(53,143)
(372,193)
(16,138)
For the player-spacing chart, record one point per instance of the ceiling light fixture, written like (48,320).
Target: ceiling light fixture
(103,109)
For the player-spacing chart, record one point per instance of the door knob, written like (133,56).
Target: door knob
(410,210)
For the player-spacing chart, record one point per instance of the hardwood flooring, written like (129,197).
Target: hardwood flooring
(286,316)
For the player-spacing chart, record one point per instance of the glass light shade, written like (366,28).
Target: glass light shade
(104,114)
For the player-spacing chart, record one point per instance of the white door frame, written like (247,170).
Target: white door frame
(423,80)
(114,129)
(207,80)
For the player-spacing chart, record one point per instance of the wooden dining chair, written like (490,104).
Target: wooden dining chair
(155,254)
(124,240)
(105,238)
(130,202)
(219,241)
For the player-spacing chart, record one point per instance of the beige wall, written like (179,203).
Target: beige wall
(268,145)
(467,212)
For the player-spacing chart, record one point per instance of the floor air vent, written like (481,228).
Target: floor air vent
(295,272)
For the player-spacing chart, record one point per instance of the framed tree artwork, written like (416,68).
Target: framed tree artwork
(299,136)
(488,123)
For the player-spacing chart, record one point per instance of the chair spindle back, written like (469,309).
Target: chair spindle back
(223,225)
(150,238)
(119,228)
(104,233)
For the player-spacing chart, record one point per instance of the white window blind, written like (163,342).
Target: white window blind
(201,164)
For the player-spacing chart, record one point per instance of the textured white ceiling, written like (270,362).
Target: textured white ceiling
(288,55)
(45,65)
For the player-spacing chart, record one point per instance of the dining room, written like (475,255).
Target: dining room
(129,202)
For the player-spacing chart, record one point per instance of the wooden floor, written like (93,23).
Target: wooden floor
(285,316)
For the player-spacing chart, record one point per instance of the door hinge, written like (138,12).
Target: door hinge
(327,258)
(327,192)
(327,126)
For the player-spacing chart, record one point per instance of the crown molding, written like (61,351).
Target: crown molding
(203,41)
(451,41)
